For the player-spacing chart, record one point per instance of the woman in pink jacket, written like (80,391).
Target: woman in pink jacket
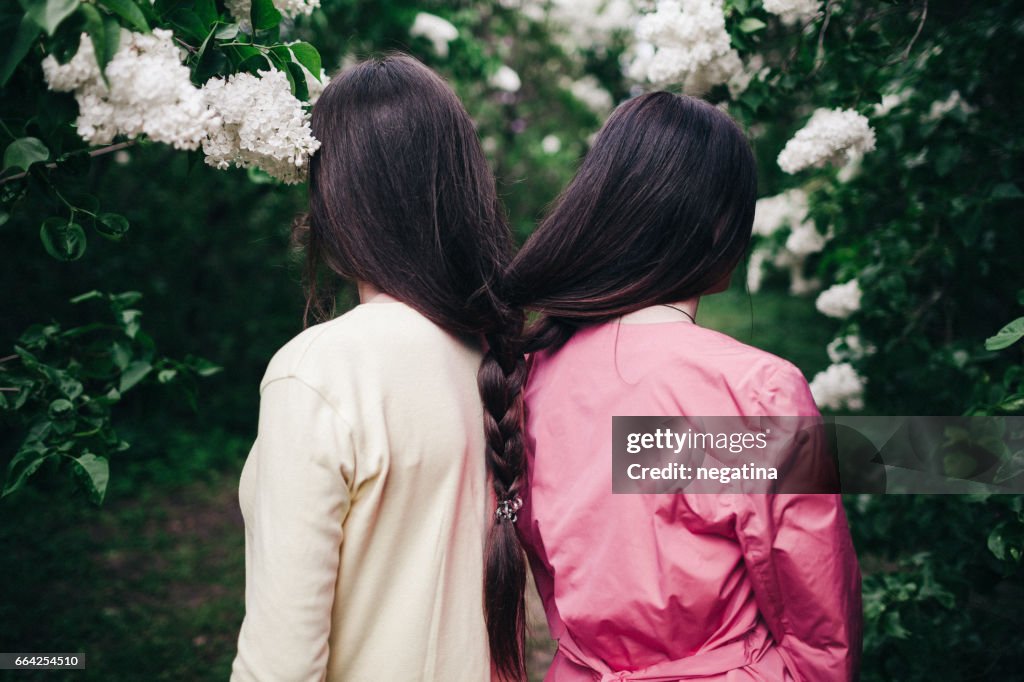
(659,587)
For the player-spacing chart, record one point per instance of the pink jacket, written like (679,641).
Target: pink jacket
(669,587)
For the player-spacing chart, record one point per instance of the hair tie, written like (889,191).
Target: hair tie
(507,509)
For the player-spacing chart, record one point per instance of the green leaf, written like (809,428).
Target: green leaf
(208,63)
(120,356)
(135,373)
(297,77)
(1006,190)
(25,151)
(126,298)
(226,32)
(105,34)
(130,321)
(18,472)
(189,24)
(96,472)
(61,408)
(28,31)
(62,239)
(166,375)
(87,296)
(1010,468)
(112,226)
(204,367)
(1012,406)
(64,44)
(750,25)
(206,10)
(958,464)
(129,11)
(1007,336)
(48,14)
(264,15)
(258,176)
(254,64)
(69,386)
(308,56)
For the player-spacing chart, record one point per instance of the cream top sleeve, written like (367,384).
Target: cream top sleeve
(303,459)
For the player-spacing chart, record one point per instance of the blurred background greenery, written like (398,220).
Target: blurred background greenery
(150,584)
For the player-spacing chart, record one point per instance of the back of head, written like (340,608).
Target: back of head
(401,197)
(660,210)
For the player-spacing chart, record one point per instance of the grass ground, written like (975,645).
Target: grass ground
(150,586)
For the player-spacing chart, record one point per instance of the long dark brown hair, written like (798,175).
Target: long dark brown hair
(401,197)
(660,210)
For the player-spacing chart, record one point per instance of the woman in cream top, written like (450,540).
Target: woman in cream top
(373,549)
(364,498)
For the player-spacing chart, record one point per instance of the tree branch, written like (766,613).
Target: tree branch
(819,54)
(95,152)
(920,25)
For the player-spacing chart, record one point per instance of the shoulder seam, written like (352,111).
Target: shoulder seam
(298,361)
(318,392)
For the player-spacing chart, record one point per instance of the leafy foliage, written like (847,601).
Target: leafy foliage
(60,384)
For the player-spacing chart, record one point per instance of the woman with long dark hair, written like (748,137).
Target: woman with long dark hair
(655,586)
(373,546)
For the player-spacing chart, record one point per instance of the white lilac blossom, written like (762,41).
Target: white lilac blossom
(830,136)
(780,210)
(805,240)
(792,11)
(240,9)
(800,285)
(505,79)
(755,269)
(149,92)
(782,258)
(535,10)
(245,120)
(691,46)
(794,264)
(892,101)
(849,347)
(840,300)
(264,125)
(585,24)
(589,91)
(953,102)
(740,80)
(838,387)
(551,144)
(851,169)
(438,31)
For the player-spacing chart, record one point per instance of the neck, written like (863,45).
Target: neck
(371,294)
(663,313)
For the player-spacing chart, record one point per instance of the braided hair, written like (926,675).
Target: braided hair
(401,197)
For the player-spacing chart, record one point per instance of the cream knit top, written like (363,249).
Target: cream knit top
(366,507)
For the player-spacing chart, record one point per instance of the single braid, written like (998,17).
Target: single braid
(549,333)
(501,379)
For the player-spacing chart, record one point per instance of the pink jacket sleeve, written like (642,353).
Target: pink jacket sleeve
(802,562)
